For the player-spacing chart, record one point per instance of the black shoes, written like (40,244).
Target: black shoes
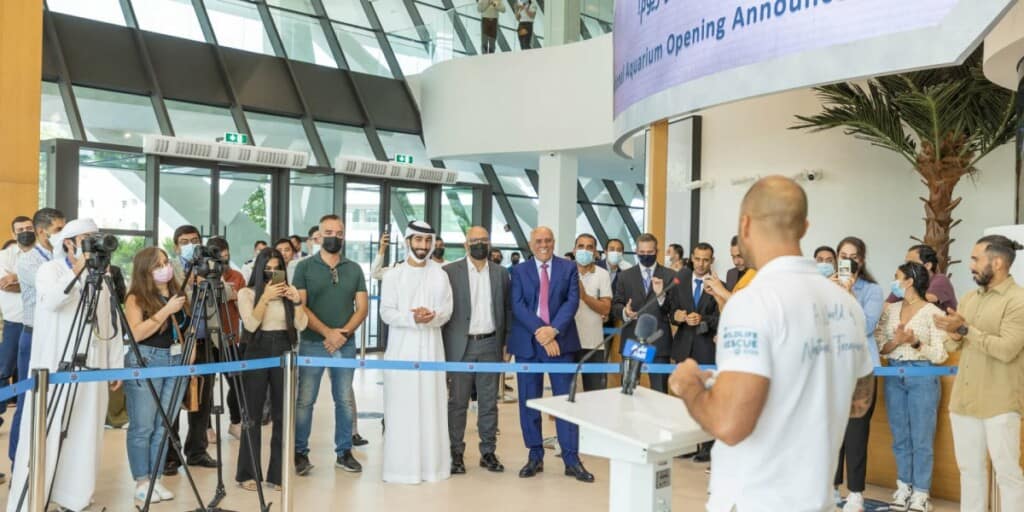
(703,454)
(458,465)
(203,461)
(491,462)
(532,468)
(579,473)
(171,468)
(349,463)
(302,465)
(357,440)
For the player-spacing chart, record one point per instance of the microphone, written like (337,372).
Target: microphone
(604,343)
(635,353)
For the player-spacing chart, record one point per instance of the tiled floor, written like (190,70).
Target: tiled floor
(330,488)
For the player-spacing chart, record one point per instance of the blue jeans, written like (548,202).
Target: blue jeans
(309,387)
(146,426)
(913,404)
(9,351)
(24,353)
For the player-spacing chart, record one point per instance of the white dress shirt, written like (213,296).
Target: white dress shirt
(10,302)
(481,317)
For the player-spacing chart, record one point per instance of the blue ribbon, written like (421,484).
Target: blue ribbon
(163,371)
(16,389)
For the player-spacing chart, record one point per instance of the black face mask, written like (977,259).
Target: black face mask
(26,238)
(439,253)
(332,244)
(479,251)
(647,260)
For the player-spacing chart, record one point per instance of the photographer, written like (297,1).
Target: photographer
(271,320)
(230,324)
(156,316)
(73,481)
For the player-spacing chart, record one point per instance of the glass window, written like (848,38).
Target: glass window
(108,11)
(473,28)
(501,232)
(115,117)
(184,199)
(469,172)
(593,26)
(583,223)
(411,53)
(172,17)
(127,248)
(278,132)
(392,14)
(362,228)
(612,222)
(638,216)
(631,194)
(311,196)
(596,191)
(362,51)
(112,189)
(303,38)
(348,11)
(201,122)
(44,160)
(456,214)
(340,140)
(442,32)
(238,25)
(53,119)
(406,144)
(296,5)
(245,206)
(407,204)
(514,181)
(526,212)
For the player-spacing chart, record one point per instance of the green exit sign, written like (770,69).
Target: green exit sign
(403,159)
(236,138)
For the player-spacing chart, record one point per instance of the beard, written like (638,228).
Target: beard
(420,253)
(984,277)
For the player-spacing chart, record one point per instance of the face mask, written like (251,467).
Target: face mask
(187,251)
(669,260)
(163,274)
(826,269)
(897,290)
(26,238)
(614,257)
(647,260)
(478,251)
(332,244)
(439,252)
(316,248)
(584,257)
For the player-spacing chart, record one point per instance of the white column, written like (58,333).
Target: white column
(557,208)
(562,19)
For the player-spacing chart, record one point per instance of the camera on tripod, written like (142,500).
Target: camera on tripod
(207,262)
(100,248)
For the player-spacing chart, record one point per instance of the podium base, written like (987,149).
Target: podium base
(640,487)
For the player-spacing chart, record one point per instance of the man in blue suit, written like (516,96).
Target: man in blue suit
(545,297)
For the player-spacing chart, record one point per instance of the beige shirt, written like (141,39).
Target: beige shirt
(922,323)
(990,381)
(273,316)
(589,323)
(481,317)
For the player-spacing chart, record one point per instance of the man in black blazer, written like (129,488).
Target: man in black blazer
(634,288)
(736,273)
(476,332)
(695,314)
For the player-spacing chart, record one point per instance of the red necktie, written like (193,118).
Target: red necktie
(545,284)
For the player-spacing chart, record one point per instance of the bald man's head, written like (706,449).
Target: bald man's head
(542,243)
(477,232)
(777,208)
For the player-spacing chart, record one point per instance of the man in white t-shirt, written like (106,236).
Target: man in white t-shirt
(791,354)
(595,305)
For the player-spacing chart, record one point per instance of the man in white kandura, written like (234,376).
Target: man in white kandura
(792,351)
(415,301)
(74,481)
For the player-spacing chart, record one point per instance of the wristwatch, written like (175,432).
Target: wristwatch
(962,330)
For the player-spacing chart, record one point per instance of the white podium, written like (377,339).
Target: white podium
(639,434)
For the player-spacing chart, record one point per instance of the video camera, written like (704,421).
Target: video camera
(100,248)
(207,262)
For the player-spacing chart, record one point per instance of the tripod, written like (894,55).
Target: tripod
(62,403)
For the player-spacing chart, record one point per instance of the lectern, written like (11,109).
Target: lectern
(640,434)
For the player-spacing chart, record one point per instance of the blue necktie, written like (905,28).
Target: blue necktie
(647,280)
(697,290)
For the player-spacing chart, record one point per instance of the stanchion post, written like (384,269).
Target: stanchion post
(37,447)
(362,341)
(288,431)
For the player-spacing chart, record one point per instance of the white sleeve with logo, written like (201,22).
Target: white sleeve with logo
(743,337)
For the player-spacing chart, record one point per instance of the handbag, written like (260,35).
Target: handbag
(195,383)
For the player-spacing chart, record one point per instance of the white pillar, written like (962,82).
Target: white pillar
(562,19)
(557,208)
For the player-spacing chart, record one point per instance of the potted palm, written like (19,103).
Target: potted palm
(941,121)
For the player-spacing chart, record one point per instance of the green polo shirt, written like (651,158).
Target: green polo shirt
(332,302)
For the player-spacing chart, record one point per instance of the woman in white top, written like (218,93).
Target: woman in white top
(907,337)
(271,317)
(525,11)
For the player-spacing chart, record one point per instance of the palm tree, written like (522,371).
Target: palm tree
(942,121)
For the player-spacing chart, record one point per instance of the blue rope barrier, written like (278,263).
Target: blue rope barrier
(163,371)
(22,386)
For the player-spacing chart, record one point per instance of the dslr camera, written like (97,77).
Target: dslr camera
(207,262)
(100,248)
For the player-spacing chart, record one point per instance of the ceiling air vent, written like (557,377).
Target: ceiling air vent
(221,152)
(391,170)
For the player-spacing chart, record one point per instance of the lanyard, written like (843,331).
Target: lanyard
(42,253)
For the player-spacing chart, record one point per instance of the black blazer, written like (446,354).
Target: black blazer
(692,341)
(455,331)
(630,285)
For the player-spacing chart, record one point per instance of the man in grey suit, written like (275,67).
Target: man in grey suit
(475,333)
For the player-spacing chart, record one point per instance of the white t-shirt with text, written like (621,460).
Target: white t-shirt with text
(806,335)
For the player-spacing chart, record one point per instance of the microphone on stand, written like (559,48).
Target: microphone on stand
(604,344)
(636,353)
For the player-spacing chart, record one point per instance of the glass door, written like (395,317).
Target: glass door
(244,210)
(363,212)
(185,197)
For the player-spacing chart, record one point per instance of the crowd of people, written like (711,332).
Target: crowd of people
(305,295)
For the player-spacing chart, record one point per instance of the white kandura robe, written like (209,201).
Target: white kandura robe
(74,481)
(416,444)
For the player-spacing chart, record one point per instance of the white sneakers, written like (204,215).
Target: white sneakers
(854,503)
(901,498)
(920,502)
(160,493)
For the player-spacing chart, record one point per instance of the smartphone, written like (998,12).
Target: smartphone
(277,277)
(387,228)
(845,271)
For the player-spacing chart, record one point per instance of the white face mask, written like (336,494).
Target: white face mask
(614,257)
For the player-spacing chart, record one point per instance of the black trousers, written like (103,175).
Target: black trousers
(488,34)
(258,385)
(525,32)
(232,399)
(659,381)
(594,381)
(854,452)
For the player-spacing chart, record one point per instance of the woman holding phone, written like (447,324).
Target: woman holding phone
(272,316)
(154,309)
